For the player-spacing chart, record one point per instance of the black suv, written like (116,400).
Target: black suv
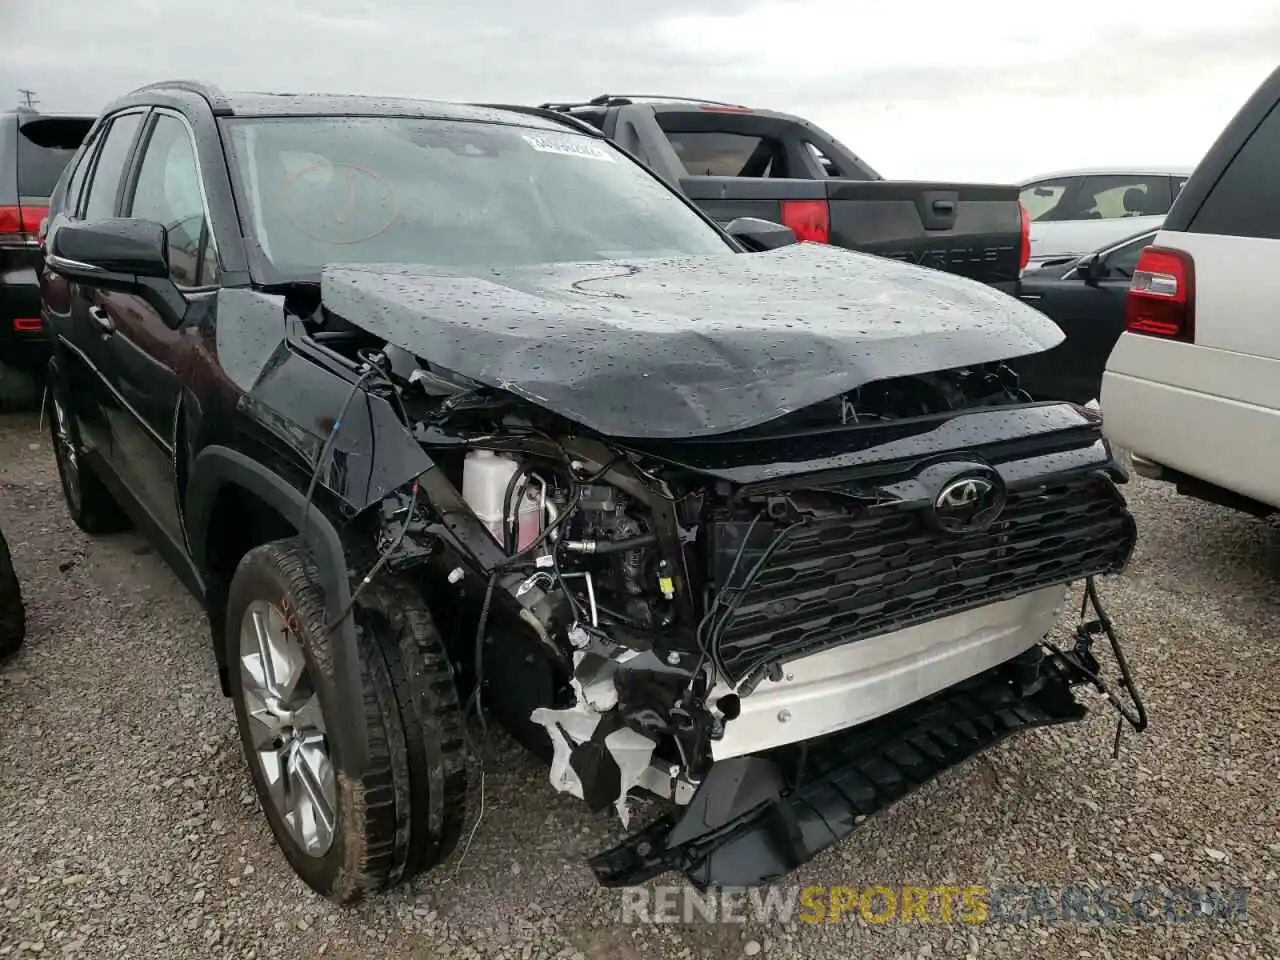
(438,405)
(34,150)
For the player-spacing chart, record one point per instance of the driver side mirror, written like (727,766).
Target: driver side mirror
(759,235)
(110,249)
(1091,269)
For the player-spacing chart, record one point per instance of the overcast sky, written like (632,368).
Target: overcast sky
(985,90)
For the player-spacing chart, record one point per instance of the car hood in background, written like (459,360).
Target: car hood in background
(695,346)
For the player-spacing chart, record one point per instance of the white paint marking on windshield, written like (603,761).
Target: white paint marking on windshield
(579,147)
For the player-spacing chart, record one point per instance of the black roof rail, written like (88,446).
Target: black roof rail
(624,99)
(546,113)
(210,92)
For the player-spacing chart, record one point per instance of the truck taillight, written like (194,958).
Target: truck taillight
(808,219)
(1162,295)
(22,223)
(1024,241)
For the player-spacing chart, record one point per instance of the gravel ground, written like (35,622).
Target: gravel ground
(128,827)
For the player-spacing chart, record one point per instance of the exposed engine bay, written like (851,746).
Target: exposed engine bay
(666,616)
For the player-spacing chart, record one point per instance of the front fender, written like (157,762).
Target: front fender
(299,399)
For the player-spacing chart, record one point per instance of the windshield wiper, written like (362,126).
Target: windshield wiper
(287,287)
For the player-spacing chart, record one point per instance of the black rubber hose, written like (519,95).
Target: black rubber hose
(611,546)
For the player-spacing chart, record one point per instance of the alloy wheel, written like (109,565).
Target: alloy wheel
(64,450)
(287,727)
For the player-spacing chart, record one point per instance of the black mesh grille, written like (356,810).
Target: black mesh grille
(832,581)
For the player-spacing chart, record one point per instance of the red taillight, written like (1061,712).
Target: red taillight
(1024,243)
(1162,295)
(21,222)
(724,108)
(27,325)
(808,219)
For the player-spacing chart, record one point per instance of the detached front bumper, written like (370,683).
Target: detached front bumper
(757,818)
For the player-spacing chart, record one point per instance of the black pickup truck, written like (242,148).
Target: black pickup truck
(734,161)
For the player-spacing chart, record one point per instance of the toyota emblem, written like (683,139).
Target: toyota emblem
(968,504)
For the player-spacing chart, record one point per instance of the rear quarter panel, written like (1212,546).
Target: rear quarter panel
(1210,409)
(19,284)
(1237,294)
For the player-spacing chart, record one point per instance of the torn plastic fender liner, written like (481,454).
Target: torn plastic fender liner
(744,828)
(596,757)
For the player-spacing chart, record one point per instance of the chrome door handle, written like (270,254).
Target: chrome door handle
(102,319)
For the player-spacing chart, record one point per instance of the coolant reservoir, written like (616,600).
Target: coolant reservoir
(529,518)
(485,476)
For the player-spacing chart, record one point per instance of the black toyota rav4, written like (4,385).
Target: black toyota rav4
(436,406)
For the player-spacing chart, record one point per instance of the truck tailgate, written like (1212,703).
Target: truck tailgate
(974,230)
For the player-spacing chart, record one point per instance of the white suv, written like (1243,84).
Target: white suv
(1074,212)
(1192,388)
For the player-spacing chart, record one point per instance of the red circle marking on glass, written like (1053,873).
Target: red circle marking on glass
(348,207)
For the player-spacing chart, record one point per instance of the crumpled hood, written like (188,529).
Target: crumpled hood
(694,346)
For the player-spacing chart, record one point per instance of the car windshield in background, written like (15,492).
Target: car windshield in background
(1041,198)
(455,194)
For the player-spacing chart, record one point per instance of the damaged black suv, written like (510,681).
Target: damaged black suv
(436,404)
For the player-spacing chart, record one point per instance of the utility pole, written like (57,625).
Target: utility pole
(31,99)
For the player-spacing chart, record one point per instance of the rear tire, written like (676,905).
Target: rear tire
(89,502)
(406,814)
(13,614)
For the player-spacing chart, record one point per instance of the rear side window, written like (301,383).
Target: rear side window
(708,154)
(45,147)
(1245,202)
(71,202)
(1123,196)
(110,167)
(1108,197)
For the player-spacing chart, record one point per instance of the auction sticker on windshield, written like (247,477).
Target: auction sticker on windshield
(568,146)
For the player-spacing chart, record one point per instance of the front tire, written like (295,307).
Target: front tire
(13,614)
(345,838)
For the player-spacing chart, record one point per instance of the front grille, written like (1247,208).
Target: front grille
(836,580)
